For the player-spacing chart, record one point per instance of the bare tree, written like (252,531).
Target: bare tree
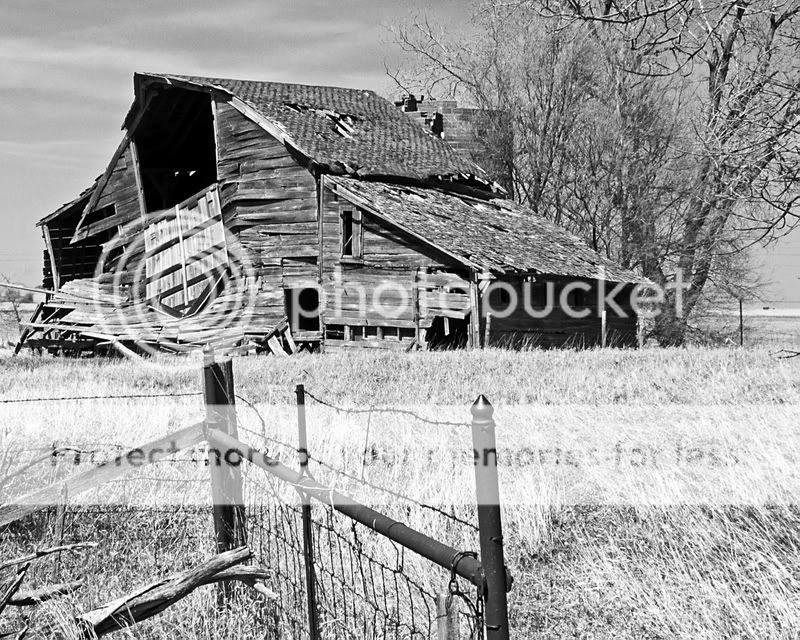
(665,133)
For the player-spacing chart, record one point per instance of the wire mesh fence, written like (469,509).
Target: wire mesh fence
(366,585)
(331,576)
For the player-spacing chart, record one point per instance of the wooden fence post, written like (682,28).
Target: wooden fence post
(308,530)
(490,527)
(446,620)
(639,332)
(225,466)
(603,328)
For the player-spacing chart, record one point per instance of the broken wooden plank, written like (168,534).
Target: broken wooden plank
(27,331)
(276,347)
(288,335)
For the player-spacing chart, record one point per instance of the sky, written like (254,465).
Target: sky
(66,71)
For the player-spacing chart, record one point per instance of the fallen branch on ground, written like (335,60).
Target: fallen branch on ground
(12,587)
(46,552)
(154,598)
(35,596)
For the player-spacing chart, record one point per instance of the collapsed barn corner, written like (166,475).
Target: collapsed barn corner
(230,205)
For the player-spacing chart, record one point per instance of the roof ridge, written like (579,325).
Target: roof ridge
(251,80)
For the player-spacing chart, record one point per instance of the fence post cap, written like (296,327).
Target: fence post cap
(482,408)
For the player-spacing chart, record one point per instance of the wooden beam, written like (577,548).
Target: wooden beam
(20,287)
(475,314)
(182,244)
(53,267)
(137,171)
(121,465)
(27,331)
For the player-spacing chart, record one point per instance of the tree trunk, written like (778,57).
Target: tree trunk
(670,326)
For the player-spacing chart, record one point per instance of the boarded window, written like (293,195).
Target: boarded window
(186,254)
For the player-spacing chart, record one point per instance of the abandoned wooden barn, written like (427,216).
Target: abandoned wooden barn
(260,215)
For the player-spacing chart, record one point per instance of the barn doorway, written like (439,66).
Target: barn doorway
(302,309)
(176,146)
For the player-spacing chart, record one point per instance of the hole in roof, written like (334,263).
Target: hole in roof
(342,123)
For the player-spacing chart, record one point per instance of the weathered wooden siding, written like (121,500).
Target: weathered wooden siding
(122,191)
(71,260)
(384,298)
(557,328)
(269,202)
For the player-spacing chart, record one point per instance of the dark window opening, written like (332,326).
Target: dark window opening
(500,298)
(176,147)
(347,233)
(351,234)
(85,258)
(371,332)
(538,294)
(334,331)
(578,299)
(302,309)
(447,333)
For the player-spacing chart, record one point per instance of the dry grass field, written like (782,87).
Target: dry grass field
(648,494)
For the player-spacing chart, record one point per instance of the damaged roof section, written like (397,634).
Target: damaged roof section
(491,235)
(345,131)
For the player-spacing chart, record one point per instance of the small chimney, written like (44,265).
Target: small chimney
(409,102)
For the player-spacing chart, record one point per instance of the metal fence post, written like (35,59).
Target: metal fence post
(741,324)
(489,520)
(308,532)
(225,466)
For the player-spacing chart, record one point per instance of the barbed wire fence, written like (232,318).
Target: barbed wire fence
(339,569)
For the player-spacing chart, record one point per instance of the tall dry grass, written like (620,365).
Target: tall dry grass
(600,551)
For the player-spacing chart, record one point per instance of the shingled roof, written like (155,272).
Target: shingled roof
(492,235)
(346,131)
